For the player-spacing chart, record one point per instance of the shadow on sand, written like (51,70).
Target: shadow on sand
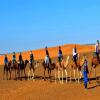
(97,82)
(94,86)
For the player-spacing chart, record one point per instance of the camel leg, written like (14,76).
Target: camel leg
(21,74)
(44,74)
(29,74)
(70,76)
(59,76)
(15,74)
(4,74)
(66,75)
(49,72)
(95,74)
(55,76)
(62,76)
(7,74)
(10,74)
(78,76)
(18,73)
(75,75)
(90,74)
(25,73)
(33,74)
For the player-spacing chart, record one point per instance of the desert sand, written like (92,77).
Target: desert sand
(46,90)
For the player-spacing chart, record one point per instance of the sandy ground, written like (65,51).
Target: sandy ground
(46,90)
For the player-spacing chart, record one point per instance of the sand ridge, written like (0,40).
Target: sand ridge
(40,54)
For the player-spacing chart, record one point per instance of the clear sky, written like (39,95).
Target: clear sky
(33,24)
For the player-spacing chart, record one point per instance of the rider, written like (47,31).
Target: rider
(14,58)
(20,58)
(6,60)
(75,54)
(46,50)
(47,58)
(97,49)
(31,58)
(60,55)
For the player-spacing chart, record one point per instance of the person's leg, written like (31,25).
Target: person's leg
(85,79)
(85,85)
(59,61)
(30,63)
(75,59)
(50,60)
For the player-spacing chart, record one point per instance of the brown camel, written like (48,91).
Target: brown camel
(76,68)
(60,69)
(94,63)
(7,71)
(49,67)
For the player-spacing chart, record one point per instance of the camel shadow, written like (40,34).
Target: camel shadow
(94,78)
(98,82)
(94,86)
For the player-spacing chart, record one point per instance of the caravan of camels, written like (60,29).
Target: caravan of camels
(66,69)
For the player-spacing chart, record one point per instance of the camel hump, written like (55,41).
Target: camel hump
(68,57)
(67,60)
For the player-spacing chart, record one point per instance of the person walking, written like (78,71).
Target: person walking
(85,72)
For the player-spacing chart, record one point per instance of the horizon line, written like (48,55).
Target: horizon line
(48,47)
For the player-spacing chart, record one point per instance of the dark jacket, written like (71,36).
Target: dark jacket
(31,57)
(20,57)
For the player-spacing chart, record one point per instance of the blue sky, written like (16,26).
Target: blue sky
(33,24)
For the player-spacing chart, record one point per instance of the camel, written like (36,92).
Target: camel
(31,71)
(76,68)
(7,70)
(49,67)
(16,68)
(60,69)
(94,63)
(21,68)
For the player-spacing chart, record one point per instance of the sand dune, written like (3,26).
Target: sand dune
(40,54)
